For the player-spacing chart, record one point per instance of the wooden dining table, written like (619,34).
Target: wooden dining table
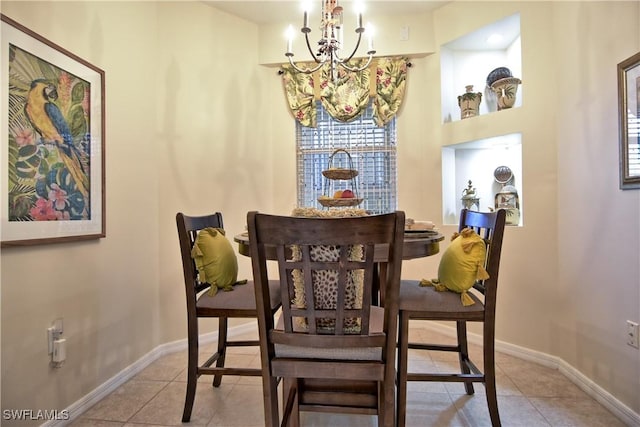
(416,245)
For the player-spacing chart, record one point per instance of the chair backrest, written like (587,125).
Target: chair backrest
(331,259)
(188,227)
(489,226)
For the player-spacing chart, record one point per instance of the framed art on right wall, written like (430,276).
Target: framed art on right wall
(629,121)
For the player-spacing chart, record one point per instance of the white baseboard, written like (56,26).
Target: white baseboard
(102,391)
(619,409)
(623,412)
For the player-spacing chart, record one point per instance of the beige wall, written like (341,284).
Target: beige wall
(105,290)
(598,285)
(185,132)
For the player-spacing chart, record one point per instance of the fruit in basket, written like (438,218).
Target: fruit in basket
(347,194)
(337,194)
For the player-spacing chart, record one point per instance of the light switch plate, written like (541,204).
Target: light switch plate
(404,33)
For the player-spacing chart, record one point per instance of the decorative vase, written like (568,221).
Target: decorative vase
(505,90)
(469,103)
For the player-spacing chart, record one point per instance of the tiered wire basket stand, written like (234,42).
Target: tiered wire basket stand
(339,168)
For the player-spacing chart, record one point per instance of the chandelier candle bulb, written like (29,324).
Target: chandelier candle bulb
(290,40)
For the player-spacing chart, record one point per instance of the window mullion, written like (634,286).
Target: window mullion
(373,151)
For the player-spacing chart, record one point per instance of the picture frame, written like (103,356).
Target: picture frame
(629,121)
(52,146)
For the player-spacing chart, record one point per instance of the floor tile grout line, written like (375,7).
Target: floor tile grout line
(459,410)
(148,401)
(515,384)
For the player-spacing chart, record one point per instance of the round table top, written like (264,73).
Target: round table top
(416,245)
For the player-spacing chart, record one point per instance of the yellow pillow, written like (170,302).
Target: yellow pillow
(462,263)
(215,260)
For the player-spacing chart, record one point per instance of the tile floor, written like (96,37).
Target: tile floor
(528,395)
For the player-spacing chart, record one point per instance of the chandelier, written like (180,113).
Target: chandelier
(330,44)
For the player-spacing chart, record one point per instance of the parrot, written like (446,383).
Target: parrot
(48,121)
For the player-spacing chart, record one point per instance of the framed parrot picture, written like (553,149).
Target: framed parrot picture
(52,148)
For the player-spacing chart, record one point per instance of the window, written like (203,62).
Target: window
(633,155)
(373,154)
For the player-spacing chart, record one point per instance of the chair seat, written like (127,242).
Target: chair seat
(343,353)
(240,302)
(424,302)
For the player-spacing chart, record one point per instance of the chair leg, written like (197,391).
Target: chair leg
(192,373)
(492,402)
(403,351)
(291,410)
(270,394)
(222,349)
(387,394)
(490,380)
(463,355)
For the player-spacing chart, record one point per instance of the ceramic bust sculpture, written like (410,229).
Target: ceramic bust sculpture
(506,89)
(503,87)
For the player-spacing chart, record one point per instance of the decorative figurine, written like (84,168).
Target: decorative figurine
(469,197)
(507,199)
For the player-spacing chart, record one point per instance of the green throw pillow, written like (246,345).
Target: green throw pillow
(462,263)
(215,260)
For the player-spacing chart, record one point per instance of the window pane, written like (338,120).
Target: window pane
(373,154)
(633,155)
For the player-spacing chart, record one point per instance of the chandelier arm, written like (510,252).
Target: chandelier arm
(303,70)
(342,61)
(354,69)
(329,45)
(306,38)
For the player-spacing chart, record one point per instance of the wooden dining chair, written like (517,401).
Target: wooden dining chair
(238,303)
(333,349)
(425,303)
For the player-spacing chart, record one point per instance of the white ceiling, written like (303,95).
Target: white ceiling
(271,11)
(278,11)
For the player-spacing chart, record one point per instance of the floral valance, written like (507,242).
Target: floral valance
(348,96)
